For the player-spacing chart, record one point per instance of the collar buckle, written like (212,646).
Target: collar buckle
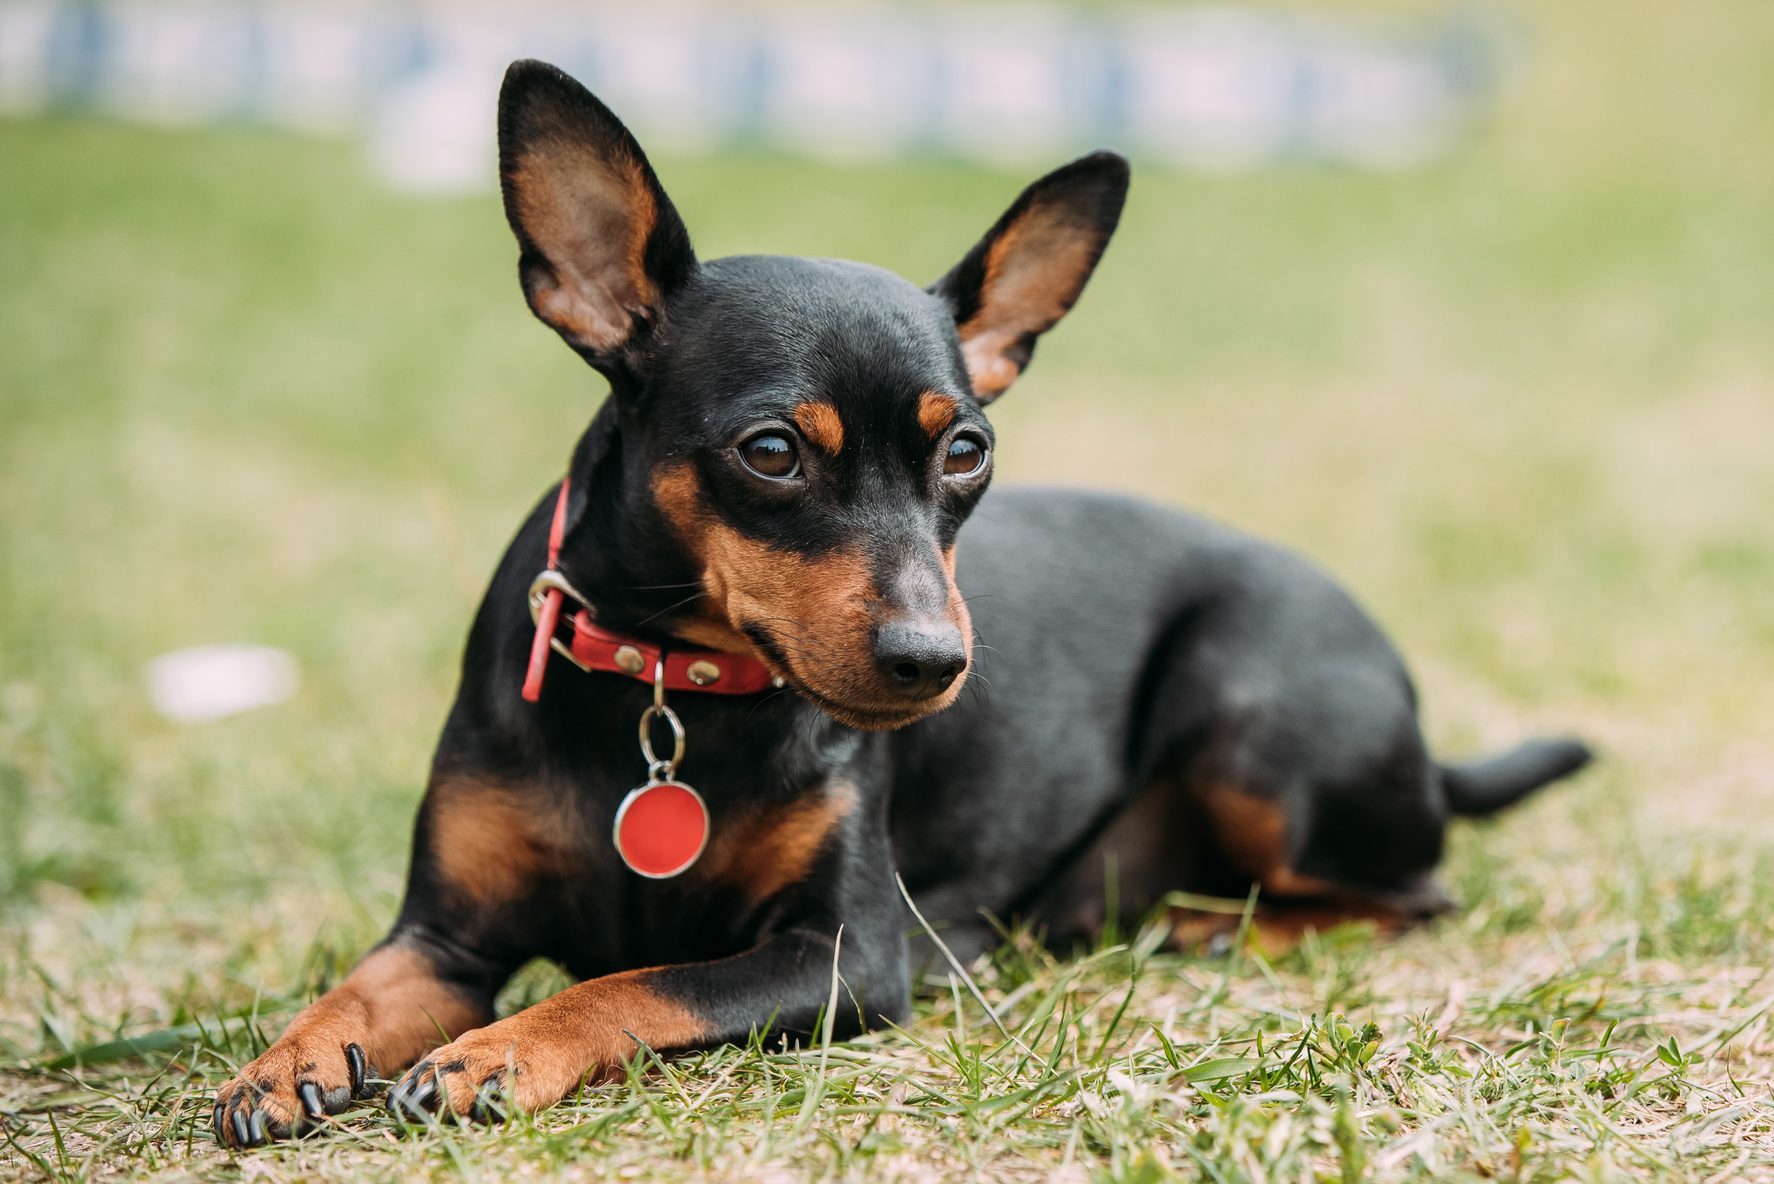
(551,582)
(595,649)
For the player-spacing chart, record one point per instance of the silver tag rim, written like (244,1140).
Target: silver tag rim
(634,795)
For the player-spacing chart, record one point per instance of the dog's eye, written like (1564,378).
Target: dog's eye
(966,456)
(771,454)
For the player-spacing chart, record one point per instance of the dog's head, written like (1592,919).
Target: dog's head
(802,437)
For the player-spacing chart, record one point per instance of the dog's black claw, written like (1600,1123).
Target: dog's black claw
(310,1095)
(242,1137)
(411,1098)
(359,1066)
(489,1100)
(259,1127)
(217,1126)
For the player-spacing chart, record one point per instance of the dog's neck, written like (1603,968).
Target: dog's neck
(623,555)
(617,553)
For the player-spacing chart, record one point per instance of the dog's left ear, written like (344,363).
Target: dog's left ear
(1028,270)
(602,247)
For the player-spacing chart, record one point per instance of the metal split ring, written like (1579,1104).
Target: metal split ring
(656,768)
(654,763)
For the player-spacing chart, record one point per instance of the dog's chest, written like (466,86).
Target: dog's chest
(607,917)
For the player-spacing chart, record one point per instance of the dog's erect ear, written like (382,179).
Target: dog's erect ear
(602,247)
(1028,270)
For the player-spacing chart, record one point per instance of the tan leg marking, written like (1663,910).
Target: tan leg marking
(1277,931)
(391,1006)
(540,1055)
(1252,834)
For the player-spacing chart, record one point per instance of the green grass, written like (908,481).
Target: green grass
(1522,402)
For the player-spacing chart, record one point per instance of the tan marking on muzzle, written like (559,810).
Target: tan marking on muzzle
(957,608)
(819,612)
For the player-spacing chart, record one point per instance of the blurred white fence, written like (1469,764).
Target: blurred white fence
(1207,87)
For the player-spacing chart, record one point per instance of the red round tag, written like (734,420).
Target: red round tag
(661,829)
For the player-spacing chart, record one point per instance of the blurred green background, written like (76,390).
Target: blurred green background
(1521,400)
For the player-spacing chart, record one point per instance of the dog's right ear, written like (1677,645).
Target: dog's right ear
(602,247)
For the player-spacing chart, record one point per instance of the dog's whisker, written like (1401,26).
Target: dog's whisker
(694,596)
(661,587)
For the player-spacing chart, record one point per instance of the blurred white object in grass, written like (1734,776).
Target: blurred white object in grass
(213,681)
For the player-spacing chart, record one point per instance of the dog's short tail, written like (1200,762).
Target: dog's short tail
(1477,788)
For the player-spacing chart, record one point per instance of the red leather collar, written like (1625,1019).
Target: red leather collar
(593,648)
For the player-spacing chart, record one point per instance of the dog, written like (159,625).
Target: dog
(711,712)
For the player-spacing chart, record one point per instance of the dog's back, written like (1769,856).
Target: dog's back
(1169,702)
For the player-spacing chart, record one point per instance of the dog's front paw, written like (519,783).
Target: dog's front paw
(289,1090)
(481,1074)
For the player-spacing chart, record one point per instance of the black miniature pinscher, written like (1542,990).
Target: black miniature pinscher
(753,565)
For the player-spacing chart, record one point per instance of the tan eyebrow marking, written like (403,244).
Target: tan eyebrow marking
(935,413)
(819,422)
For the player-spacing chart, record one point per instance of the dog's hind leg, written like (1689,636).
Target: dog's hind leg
(1201,833)
(1148,848)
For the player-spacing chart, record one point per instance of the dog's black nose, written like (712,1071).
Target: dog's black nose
(919,660)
